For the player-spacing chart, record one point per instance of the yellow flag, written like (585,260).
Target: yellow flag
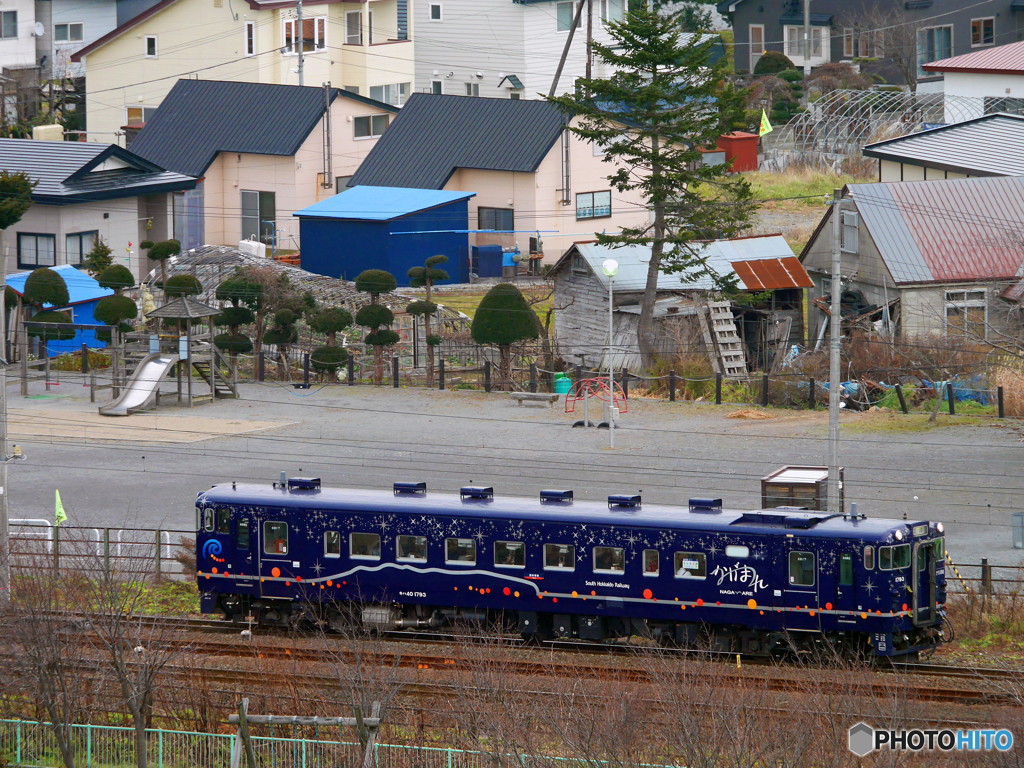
(766,127)
(58,513)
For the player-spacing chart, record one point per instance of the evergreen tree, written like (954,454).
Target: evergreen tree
(98,259)
(652,117)
(376,317)
(425,277)
(329,321)
(44,286)
(161,252)
(503,319)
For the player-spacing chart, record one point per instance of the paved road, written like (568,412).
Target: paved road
(145,472)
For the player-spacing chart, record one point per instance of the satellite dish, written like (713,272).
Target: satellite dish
(40,29)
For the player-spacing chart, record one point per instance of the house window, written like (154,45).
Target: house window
(795,42)
(258,215)
(250,38)
(579,265)
(394,94)
(933,43)
(515,96)
(435,12)
(151,47)
(966,314)
(78,245)
(402,13)
(756,44)
(341,182)
(849,234)
(354,28)
(8,25)
(996,104)
(68,33)
(861,45)
(36,250)
(983,32)
(437,87)
(352,89)
(472,89)
(564,13)
(370,126)
(139,115)
(593,205)
(314,35)
(613,10)
(499,219)
(369,26)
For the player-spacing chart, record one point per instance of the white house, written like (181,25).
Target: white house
(982,82)
(69,26)
(85,192)
(504,48)
(19,70)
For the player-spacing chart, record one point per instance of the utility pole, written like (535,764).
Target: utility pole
(565,50)
(5,509)
(590,36)
(836,323)
(807,38)
(300,36)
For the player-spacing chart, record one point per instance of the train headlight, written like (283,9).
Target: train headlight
(899,535)
(940,527)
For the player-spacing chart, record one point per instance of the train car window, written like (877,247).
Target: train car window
(242,535)
(691,565)
(199,519)
(610,559)
(332,544)
(901,557)
(801,569)
(737,550)
(412,548)
(559,557)
(364,546)
(461,551)
(869,558)
(509,554)
(885,558)
(652,562)
(223,520)
(846,570)
(275,538)
(208,520)
(940,549)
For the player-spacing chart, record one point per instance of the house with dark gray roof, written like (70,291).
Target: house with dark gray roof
(944,255)
(529,173)
(261,152)
(87,192)
(992,145)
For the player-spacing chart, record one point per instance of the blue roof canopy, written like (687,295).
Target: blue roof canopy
(380,203)
(81,285)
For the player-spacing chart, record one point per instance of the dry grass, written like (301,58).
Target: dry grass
(753,414)
(1011,379)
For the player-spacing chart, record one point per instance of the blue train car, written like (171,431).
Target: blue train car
(757,582)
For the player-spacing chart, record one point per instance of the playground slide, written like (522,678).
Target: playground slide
(141,390)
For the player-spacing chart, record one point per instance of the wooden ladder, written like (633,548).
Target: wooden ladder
(725,347)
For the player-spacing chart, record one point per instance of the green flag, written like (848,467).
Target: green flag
(766,127)
(58,513)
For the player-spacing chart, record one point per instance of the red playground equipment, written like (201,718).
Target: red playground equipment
(584,389)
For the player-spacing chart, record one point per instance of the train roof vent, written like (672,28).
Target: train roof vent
(303,483)
(550,496)
(705,505)
(624,500)
(476,492)
(414,488)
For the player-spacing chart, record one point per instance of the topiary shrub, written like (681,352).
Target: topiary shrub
(52,334)
(161,252)
(282,334)
(235,343)
(116,277)
(44,286)
(375,282)
(773,62)
(330,321)
(114,310)
(504,318)
(433,340)
(182,285)
(791,75)
(377,317)
(328,359)
(425,277)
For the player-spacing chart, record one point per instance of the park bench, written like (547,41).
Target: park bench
(535,397)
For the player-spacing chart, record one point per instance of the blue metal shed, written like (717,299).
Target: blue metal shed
(84,294)
(360,229)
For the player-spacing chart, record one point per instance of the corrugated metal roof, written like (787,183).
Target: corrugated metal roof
(946,231)
(81,285)
(71,171)
(1003,59)
(968,147)
(433,135)
(1015,292)
(720,254)
(380,203)
(200,118)
(772,274)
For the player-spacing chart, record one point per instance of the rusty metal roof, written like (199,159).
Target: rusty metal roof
(1015,292)
(772,274)
(1003,59)
(951,230)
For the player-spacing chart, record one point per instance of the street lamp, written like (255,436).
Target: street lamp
(611,269)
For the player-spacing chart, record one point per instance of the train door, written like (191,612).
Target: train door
(923,563)
(275,546)
(243,562)
(801,571)
(845,599)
